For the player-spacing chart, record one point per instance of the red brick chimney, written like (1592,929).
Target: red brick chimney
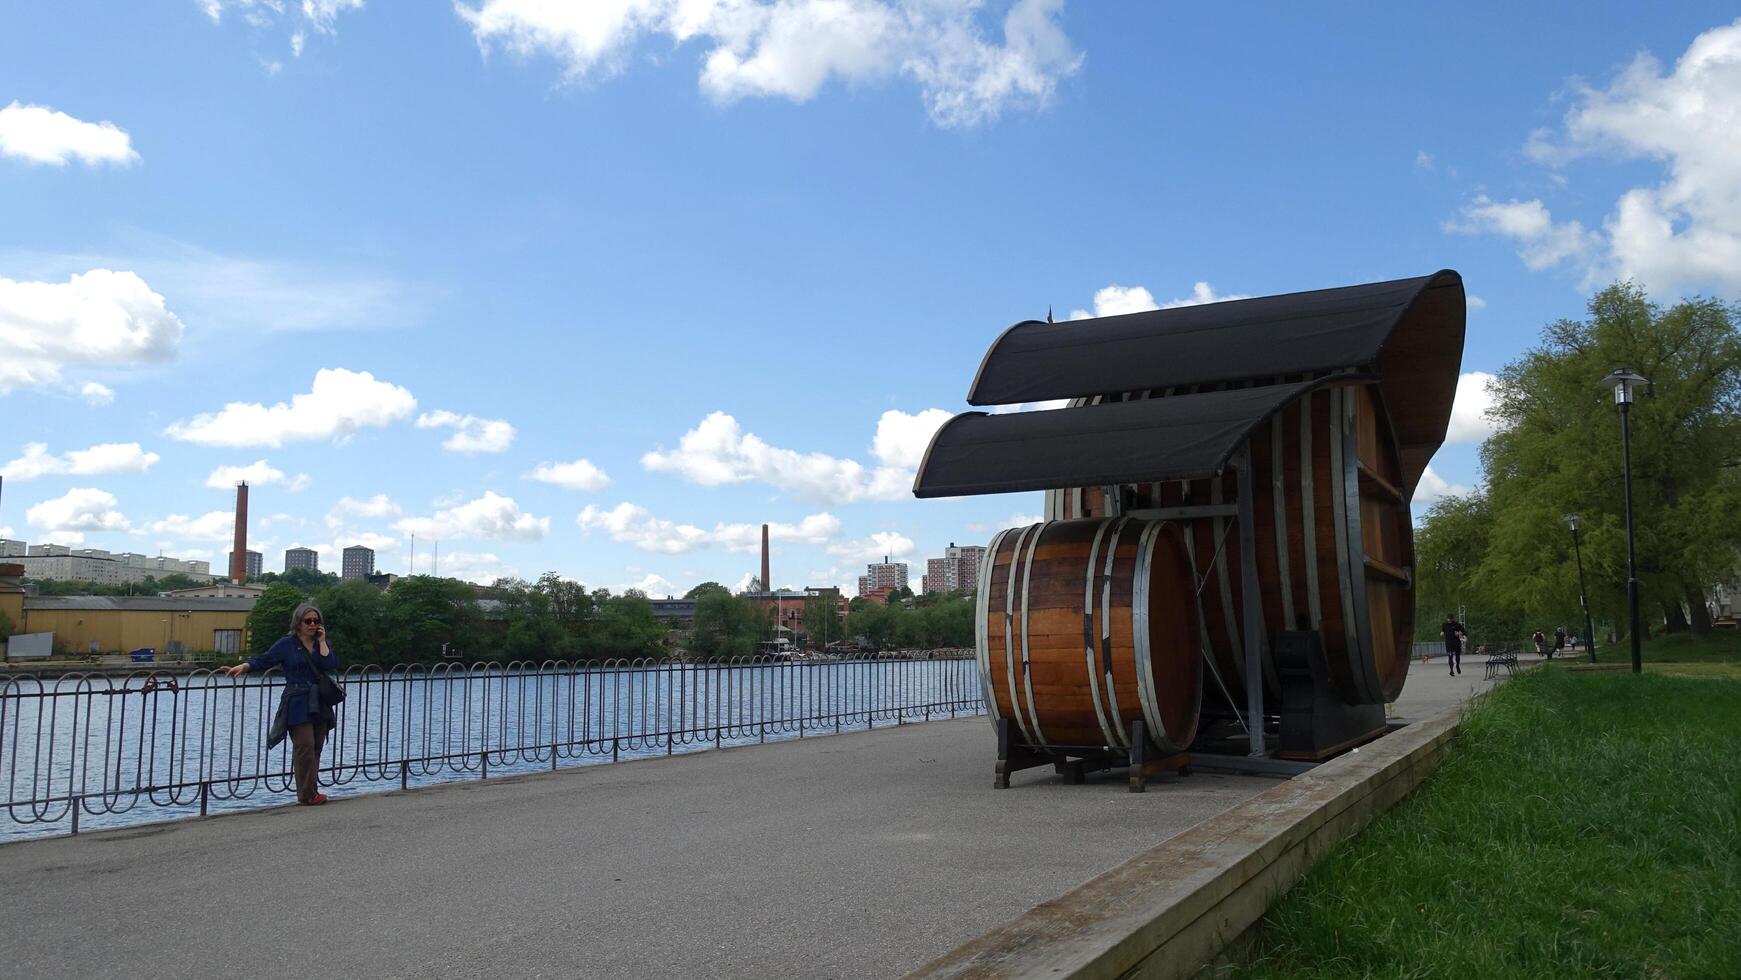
(767,586)
(239,551)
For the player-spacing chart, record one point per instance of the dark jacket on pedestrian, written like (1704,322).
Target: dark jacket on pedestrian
(1453,632)
(301,702)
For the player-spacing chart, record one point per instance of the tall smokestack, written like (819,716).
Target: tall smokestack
(239,550)
(766,585)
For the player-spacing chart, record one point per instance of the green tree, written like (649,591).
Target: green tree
(874,625)
(270,617)
(175,581)
(626,628)
(704,589)
(1503,554)
(823,623)
(355,614)
(429,618)
(1557,450)
(727,626)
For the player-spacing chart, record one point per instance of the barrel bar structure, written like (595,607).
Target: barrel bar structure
(1196,415)
(1333,543)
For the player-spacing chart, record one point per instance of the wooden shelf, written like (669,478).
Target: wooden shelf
(1369,479)
(1384,569)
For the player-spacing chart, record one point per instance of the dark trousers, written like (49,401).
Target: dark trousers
(306,741)
(1456,659)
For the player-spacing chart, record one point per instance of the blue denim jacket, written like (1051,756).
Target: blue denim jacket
(300,703)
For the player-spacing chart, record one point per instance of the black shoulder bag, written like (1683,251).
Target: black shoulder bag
(331,691)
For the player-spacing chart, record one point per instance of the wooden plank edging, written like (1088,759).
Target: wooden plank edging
(1167,911)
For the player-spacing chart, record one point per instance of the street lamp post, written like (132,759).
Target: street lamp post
(1572,521)
(1625,384)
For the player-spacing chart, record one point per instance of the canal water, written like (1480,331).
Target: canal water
(118,751)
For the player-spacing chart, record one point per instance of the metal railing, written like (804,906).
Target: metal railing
(88,750)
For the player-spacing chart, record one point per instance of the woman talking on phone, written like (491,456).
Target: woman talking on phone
(306,710)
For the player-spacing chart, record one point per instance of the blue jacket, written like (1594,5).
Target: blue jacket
(300,703)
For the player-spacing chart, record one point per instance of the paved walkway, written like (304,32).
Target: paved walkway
(858,855)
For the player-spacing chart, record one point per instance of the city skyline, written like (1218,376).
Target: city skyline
(419,272)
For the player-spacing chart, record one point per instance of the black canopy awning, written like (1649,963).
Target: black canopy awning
(1184,437)
(1409,332)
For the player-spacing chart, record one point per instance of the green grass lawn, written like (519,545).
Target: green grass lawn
(1585,824)
(1722,646)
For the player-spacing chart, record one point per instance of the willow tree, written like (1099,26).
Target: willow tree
(1558,450)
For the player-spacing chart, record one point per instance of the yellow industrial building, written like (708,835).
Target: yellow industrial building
(86,624)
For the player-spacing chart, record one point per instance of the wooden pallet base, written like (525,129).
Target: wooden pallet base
(1076,762)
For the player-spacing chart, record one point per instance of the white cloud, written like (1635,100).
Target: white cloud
(471,434)
(902,439)
(1116,300)
(482,567)
(1423,160)
(747,538)
(213,525)
(1543,243)
(259,474)
(99,460)
(79,509)
(96,317)
(378,506)
(651,585)
(1469,421)
(1014,520)
(635,525)
(38,134)
(718,451)
(489,516)
(297,16)
(792,48)
(578,475)
(339,403)
(381,544)
(1682,231)
(883,543)
(1474,302)
(1432,486)
(247,296)
(97,394)
(1045,406)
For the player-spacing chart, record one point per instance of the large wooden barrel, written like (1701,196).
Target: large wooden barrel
(1335,545)
(1083,629)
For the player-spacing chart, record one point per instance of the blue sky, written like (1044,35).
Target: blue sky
(600,287)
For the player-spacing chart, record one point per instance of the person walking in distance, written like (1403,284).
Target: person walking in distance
(1454,633)
(307,708)
(1559,640)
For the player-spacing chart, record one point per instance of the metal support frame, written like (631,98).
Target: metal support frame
(1255,637)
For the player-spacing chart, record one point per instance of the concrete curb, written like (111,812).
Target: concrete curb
(1170,909)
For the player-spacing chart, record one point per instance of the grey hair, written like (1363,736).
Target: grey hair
(303,607)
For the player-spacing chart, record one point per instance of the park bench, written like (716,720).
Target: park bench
(1505,657)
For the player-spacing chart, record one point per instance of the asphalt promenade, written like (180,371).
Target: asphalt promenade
(856,855)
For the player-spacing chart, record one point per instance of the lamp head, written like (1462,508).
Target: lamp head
(1625,384)
(1572,521)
